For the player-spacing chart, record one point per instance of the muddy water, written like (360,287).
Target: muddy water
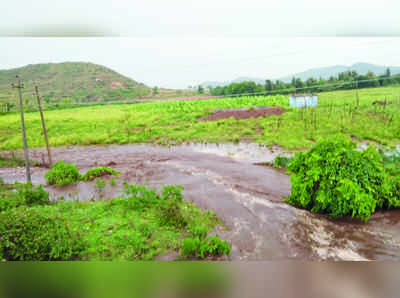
(247,197)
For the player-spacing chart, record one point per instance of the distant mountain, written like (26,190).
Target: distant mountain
(324,72)
(73,81)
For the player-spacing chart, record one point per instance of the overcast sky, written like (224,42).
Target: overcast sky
(179,43)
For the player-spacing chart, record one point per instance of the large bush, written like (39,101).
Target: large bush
(62,174)
(336,179)
(37,234)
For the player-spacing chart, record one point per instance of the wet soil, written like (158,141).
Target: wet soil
(247,197)
(244,114)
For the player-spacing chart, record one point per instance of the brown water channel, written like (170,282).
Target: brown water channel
(247,197)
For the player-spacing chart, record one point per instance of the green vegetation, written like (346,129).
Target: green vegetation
(135,226)
(343,81)
(24,195)
(282,161)
(391,162)
(347,113)
(98,172)
(11,160)
(334,178)
(65,83)
(62,174)
(100,184)
(202,248)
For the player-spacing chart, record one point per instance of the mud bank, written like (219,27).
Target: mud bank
(247,197)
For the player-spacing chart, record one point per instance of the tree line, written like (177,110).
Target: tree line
(343,81)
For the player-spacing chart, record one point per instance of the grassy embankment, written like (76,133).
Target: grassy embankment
(138,226)
(172,122)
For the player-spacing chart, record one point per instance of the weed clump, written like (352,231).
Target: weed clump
(62,174)
(98,172)
(282,161)
(170,207)
(203,247)
(334,178)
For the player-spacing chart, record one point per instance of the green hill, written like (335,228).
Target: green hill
(70,82)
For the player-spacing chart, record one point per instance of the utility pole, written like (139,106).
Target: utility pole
(28,170)
(43,125)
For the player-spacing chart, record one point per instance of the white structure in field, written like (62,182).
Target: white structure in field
(303,100)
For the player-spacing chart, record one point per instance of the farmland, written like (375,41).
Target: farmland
(349,113)
(246,198)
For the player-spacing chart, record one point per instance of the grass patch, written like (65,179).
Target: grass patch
(137,226)
(175,122)
(98,172)
(11,161)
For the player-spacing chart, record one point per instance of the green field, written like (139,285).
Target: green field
(174,122)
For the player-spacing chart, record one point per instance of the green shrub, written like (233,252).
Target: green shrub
(139,197)
(336,179)
(211,246)
(282,161)
(391,162)
(22,195)
(33,195)
(62,174)
(170,207)
(100,184)
(199,231)
(33,234)
(98,172)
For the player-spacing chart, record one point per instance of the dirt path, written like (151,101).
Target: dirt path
(245,196)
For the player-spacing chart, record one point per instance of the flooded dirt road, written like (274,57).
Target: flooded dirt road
(247,197)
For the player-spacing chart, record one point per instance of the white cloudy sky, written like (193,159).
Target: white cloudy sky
(179,43)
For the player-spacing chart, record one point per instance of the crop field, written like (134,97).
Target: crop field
(349,113)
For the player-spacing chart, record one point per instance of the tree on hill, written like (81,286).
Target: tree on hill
(155,90)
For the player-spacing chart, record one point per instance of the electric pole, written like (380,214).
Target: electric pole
(43,125)
(28,170)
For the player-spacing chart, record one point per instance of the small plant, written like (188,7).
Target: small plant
(211,246)
(169,209)
(112,182)
(11,160)
(139,197)
(282,161)
(98,172)
(33,195)
(62,174)
(100,184)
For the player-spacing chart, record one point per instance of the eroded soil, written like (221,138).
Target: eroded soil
(244,113)
(247,197)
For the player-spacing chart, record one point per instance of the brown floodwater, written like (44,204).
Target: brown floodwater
(247,197)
